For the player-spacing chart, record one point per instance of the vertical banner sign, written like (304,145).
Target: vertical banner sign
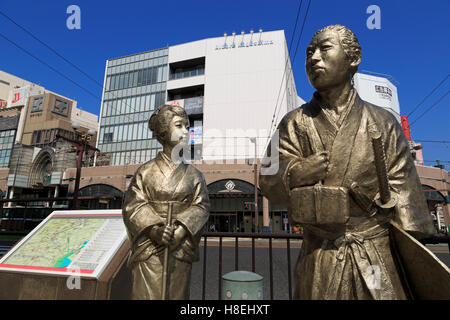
(405,127)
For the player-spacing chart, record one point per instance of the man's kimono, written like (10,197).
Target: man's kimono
(156,185)
(351,260)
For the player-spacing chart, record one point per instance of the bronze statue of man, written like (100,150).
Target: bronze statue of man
(327,177)
(161,188)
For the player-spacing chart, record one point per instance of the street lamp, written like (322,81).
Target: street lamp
(255,169)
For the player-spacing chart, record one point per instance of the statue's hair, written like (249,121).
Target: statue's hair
(159,122)
(348,40)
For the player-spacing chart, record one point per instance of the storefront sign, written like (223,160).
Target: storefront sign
(193,105)
(244,44)
(61,107)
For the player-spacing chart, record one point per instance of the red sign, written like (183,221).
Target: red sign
(405,127)
(16,97)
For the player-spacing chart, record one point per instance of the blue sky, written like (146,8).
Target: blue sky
(413,44)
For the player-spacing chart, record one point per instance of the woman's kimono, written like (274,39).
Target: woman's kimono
(156,185)
(351,260)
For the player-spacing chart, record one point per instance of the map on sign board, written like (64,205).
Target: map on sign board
(74,242)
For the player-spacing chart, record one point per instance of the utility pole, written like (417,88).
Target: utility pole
(82,146)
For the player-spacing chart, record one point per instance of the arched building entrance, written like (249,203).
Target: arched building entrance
(232,206)
(232,209)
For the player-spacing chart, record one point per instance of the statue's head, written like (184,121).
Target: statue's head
(170,125)
(332,57)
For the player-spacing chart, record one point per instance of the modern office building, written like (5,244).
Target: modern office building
(230,86)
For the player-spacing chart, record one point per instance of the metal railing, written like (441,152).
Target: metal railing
(270,237)
(253,237)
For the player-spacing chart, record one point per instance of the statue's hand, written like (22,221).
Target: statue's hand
(178,236)
(309,171)
(162,235)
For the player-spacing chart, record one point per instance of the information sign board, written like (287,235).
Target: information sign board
(75,242)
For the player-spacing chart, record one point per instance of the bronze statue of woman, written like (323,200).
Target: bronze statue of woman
(159,186)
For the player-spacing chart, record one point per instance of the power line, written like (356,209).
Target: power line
(285,65)
(275,115)
(295,53)
(444,161)
(48,66)
(72,64)
(431,107)
(432,141)
(435,88)
(51,49)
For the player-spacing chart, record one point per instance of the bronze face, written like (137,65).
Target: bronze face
(178,131)
(327,64)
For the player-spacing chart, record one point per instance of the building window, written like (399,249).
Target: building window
(108,137)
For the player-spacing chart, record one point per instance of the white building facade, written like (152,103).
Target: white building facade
(235,88)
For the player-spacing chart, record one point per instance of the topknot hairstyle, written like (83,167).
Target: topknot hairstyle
(159,122)
(348,40)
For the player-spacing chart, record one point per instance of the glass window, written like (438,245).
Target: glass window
(139,78)
(164,73)
(112,84)
(138,105)
(107,137)
(135,78)
(144,77)
(127,103)
(152,102)
(123,106)
(140,128)
(112,110)
(149,76)
(121,81)
(157,100)
(108,80)
(135,126)
(125,81)
(108,109)
(133,103)
(116,84)
(154,74)
(130,79)
(159,74)
(120,134)
(105,106)
(124,133)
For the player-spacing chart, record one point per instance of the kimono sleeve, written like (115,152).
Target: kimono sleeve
(411,211)
(196,215)
(138,216)
(275,185)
